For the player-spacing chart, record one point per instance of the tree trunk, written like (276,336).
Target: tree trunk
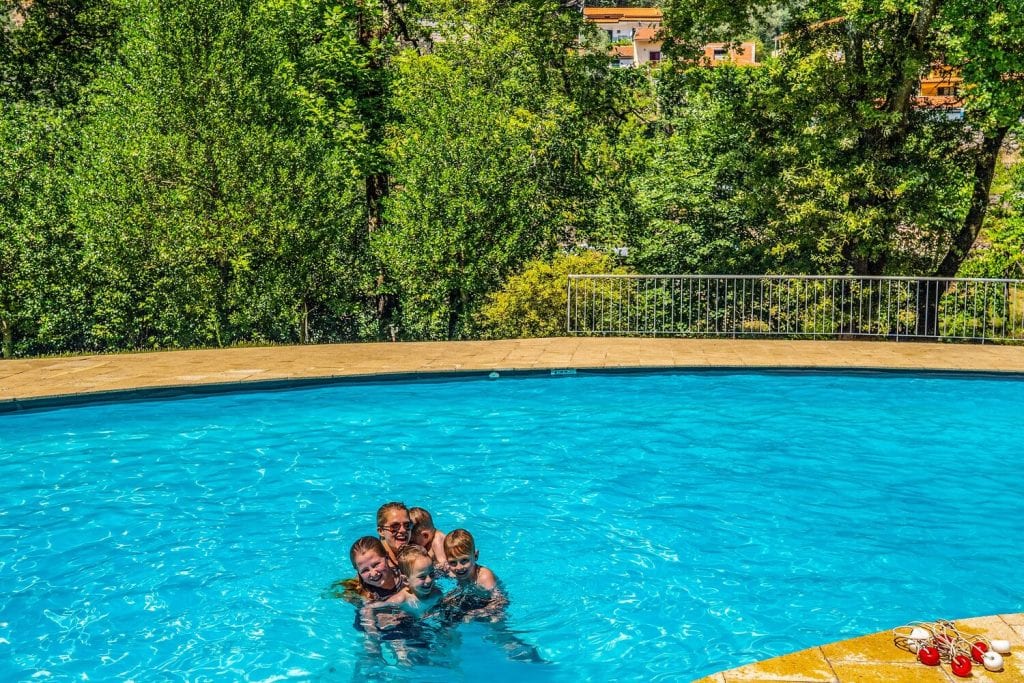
(984,171)
(7,329)
(377,187)
(930,292)
(377,181)
(304,324)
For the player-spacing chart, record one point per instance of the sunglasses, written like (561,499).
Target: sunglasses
(396,527)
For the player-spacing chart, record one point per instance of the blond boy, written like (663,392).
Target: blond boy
(462,554)
(420,594)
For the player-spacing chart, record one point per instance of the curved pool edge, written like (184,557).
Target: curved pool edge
(47,382)
(874,657)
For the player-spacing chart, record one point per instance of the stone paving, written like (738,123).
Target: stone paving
(21,380)
(875,659)
(868,659)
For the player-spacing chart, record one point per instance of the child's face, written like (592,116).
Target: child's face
(397,528)
(423,538)
(373,569)
(420,578)
(464,566)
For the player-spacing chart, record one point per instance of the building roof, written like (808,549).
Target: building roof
(622,51)
(601,15)
(646,35)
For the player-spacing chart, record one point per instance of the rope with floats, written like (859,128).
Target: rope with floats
(941,641)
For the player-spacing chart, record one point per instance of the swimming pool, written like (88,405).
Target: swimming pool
(647,526)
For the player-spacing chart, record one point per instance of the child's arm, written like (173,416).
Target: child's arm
(388,609)
(497,601)
(440,558)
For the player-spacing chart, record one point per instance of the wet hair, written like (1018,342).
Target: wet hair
(459,542)
(366,544)
(382,512)
(407,557)
(355,590)
(421,519)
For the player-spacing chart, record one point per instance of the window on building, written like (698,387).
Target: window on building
(655,56)
(950,90)
(720,53)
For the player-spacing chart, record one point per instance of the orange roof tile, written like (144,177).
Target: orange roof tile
(646,35)
(613,14)
(622,51)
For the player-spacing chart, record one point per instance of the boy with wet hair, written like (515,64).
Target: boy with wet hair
(420,594)
(429,537)
(462,554)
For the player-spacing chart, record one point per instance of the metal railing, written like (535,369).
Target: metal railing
(817,306)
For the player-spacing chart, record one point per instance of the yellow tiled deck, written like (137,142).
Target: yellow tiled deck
(875,659)
(867,659)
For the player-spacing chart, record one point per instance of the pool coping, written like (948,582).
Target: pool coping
(51,382)
(43,383)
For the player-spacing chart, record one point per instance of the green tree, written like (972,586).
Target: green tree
(219,188)
(867,176)
(49,52)
(41,300)
(50,49)
(493,156)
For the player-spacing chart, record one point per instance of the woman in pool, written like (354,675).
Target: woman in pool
(395,528)
(376,576)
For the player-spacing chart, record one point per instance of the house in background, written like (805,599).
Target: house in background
(633,32)
(716,53)
(940,91)
(635,36)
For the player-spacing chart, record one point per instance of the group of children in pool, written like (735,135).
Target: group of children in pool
(397,571)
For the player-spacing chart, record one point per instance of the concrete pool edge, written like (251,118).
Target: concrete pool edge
(874,658)
(42,382)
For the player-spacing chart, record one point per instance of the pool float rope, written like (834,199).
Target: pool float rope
(942,641)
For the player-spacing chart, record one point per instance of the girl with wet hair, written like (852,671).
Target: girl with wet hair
(376,576)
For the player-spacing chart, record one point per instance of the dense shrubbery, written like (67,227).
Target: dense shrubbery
(533,303)
(186,174)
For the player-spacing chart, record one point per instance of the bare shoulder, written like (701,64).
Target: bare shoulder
(485,578)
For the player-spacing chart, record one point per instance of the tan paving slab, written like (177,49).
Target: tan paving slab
(860,672)
(714,678)
(51,377)
(875,658)
(806,666)
(877,647)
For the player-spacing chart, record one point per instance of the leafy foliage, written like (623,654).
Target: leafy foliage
(249,171)
(489,160)
(207,184)
(532,302)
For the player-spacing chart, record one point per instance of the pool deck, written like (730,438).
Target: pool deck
(876,659)
(38,382)
(25,380)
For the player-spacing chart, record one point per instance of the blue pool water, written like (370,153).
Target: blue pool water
(647,526)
